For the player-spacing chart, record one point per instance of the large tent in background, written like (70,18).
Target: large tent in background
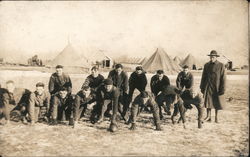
(177,60)
(191,61)
(99,57)
(69,57)
(161,60)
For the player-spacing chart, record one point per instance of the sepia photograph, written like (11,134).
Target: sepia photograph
(124,78)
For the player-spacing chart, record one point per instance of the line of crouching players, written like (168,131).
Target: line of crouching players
(111,97)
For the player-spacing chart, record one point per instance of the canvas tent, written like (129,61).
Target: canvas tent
(177,60)
(161,60)
(69,57)
(191,61)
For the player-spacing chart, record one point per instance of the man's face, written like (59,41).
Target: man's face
(63,94)
(59,71)
(10,87)
(213,58)
(185,70)
(193,94)
(144,100)
(160,76)
(118,70)
(94,73)
(40,90)
(108,87)
(86,92)
(138,71)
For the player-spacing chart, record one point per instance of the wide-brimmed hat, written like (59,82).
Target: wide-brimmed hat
(214,53)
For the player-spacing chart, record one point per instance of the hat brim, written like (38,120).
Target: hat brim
(214,55)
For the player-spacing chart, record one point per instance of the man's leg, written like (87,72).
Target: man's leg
(160,99)
(6,112)
(182,111)
(216,116)
(200,114)
(134,113)
(125,106)
(103,109)
(175,113)
(208,118)
(155,110)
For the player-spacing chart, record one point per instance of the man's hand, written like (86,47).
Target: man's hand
(133,126)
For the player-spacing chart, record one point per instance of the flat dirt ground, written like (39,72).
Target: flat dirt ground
(228,138)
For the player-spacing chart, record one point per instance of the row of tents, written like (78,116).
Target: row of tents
(69,57)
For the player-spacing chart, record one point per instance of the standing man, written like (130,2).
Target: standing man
(61,107)
(213,85)
(145,98)
(120,80)
(15,102)
(185,79)
(108,95)
(58,80)
(137,80)
(39,104)
(157,83)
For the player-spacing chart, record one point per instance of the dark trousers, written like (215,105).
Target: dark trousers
(161,99)
(39,112)
(131,92)
(136,108)
(61,112)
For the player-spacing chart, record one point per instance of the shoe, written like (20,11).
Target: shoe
(100,121)
(24,120)
(158,127)
(133,126)
(53,122)
(113,128)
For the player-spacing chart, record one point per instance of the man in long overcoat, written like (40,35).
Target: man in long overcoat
(213,85)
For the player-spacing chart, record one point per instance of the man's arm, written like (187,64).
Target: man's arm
(178,81)
(51,84)
(203,79)
(222,81)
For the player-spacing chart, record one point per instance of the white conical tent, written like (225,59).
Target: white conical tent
(161,61)
(69,57)
(177,60)
(191,62)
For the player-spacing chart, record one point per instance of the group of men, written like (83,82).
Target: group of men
(113,96)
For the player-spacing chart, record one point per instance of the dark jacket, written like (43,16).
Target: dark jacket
(185,80)
(213,83)
(56,82)
(138,81)
(157,85)
(93,82)
(120,81)
(18,97)
(214,75)
(102,94)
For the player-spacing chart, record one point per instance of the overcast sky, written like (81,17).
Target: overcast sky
(126,27)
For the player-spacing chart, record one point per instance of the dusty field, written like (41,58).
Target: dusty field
(228,138)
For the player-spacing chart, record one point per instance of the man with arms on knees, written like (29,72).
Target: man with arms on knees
(185,79)
(157,83)
(39,104)
(58,80)
(137,80)
(15,102)
(191,97)
(145,98)
(120,80)
(212,85)
(82,99)
(108,95)
(61,107)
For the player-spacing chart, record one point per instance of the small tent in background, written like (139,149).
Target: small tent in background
(100,58)
(177,60)
(191,61)
(161,60)
(69,57)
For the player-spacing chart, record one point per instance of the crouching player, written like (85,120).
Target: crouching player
(83,98)
(191,97)
(61,107)
(39,104)
(145,99)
